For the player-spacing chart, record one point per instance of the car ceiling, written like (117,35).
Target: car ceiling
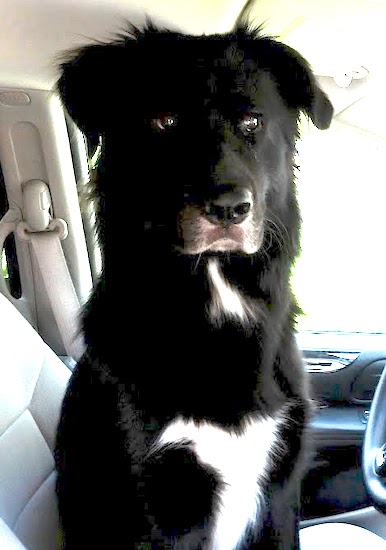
(336,36)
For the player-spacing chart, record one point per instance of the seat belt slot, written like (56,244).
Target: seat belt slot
(37,212)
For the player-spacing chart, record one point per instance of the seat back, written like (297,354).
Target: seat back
(32,384)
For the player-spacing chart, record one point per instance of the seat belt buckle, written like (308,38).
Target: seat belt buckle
(37,212)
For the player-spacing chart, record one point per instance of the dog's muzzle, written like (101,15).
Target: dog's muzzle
(229,221)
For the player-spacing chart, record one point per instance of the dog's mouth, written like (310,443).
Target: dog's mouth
(222,239)
(198,234)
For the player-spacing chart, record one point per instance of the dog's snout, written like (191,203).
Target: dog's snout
(229,207)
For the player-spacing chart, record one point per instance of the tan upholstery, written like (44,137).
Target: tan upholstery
(342,536)
(32,383)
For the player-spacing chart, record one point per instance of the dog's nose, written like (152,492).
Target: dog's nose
(229,207)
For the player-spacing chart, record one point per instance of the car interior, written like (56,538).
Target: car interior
(51,260)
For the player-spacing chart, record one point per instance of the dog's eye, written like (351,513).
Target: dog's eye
(251,122)
(164,121)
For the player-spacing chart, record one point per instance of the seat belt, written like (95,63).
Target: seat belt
(48,252)
(44,235)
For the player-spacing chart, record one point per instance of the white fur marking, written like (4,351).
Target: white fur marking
(225,299)
(242,461)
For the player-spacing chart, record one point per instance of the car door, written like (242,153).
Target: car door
(343,382)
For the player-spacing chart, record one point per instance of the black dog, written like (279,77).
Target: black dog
(183,425)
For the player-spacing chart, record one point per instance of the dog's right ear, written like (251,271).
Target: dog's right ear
(91,84)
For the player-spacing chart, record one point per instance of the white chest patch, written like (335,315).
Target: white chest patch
(242,461)
(226,300)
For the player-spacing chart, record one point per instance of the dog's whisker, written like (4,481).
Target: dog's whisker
(278,233)
(197,262)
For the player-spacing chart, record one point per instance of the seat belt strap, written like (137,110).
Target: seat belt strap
(48,252)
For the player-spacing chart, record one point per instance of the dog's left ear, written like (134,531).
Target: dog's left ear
(296,82)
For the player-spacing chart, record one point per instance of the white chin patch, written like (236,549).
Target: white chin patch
(227,301)
(225,245)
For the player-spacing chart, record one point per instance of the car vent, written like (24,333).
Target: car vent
(326,361)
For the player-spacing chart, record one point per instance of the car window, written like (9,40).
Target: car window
(9,262)
(339,276)
(85,151)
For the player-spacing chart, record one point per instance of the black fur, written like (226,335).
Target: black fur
(154,352)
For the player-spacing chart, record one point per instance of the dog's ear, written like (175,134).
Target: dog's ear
(89,85)
(296,81)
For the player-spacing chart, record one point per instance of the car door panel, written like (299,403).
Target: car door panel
(343,394)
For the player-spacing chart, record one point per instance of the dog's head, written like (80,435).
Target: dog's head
(207,128)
